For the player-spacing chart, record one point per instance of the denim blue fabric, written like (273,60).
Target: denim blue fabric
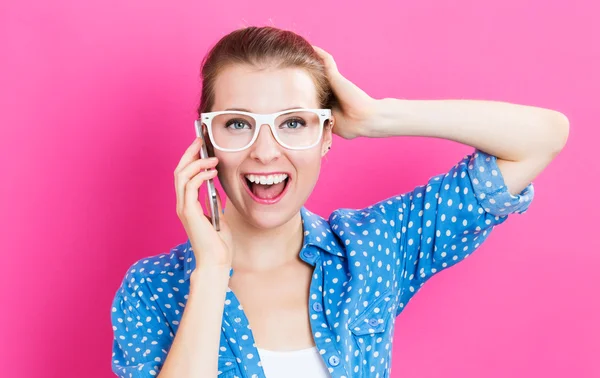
(368,264)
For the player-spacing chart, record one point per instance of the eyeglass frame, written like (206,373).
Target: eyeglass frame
(260,119)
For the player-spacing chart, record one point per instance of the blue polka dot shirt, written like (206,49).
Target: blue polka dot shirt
(368,264)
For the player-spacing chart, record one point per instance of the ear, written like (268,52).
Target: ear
(327,136)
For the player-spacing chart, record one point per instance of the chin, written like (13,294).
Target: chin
(268,219)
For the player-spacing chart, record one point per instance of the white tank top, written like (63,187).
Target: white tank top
(293,364)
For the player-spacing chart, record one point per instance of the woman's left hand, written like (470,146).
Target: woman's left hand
(356,108)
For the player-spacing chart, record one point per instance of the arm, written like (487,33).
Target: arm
(195,350)
(439,224)
(141,332)
(524,139)
(143,342)
(443,222)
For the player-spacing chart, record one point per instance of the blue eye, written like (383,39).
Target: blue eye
(295,123)
(238,124)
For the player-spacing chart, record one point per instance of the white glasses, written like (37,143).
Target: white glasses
(295,129)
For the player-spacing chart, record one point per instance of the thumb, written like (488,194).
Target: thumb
(207,200)
(220,209)
(220,206)
(223,225)
(207,205)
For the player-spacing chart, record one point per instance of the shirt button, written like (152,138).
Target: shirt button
(309,254)
(317,307)
(334,360)
(373,322)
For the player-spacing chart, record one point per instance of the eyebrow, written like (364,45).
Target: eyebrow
(249,111)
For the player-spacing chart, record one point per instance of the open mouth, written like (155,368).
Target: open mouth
(266,189)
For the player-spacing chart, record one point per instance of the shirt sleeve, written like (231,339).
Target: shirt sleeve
(141,334)
(441,223)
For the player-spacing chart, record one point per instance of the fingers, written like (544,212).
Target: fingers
(189,165)
(327,58)
(184,176)
(189,155)
(191,190)
(339,83)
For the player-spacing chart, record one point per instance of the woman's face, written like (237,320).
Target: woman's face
(268,91)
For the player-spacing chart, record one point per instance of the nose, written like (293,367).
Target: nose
(265,149)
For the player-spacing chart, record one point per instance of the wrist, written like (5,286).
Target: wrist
(387,118)
(210,274)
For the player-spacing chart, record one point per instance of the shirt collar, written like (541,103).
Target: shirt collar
(317,232)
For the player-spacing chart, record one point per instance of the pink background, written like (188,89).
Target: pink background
(97,105)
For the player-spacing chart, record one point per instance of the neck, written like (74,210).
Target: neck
(263,249)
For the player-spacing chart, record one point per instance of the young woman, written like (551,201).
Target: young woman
(279,291)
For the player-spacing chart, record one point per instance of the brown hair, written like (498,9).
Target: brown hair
(263,47)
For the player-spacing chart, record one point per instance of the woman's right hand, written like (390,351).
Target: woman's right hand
(212,249)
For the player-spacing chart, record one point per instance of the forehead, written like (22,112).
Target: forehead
(264,90)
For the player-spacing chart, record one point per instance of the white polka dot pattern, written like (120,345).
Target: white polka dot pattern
(368,264)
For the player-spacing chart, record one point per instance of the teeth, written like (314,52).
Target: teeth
(269,179)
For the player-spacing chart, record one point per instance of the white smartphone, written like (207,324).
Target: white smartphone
(212,191)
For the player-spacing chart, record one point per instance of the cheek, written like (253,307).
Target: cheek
(227,178)
(308,164)
(226,168)
(225,173)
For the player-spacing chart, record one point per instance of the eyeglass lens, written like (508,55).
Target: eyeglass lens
(235,130)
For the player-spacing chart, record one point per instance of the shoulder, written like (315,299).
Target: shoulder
(369,242)
(167,265)
(372,221)
(367,235)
